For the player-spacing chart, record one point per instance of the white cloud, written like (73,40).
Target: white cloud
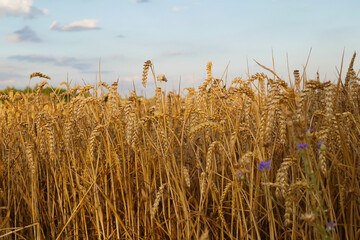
(34,12)
(13,38)
(8,76)
(86,24)
(189,80)
(140,1)
(7,82)
(176,53)
(170,54)
(20,8)
(33,58)
(5,66)
(15,7)
(24,35)
(62,61)
(177,9)
(136,78)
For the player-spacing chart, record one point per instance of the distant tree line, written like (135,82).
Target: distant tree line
(45,90)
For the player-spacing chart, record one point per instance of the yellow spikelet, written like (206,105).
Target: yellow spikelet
(161,78)
(147,65)
(209,70)
(201,126)
(297,78)
(39,74)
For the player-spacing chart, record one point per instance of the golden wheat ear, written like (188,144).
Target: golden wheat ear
(351,73)
(209,70)
(147,65)
(161,78)
(39,74)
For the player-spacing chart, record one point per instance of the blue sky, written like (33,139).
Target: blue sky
(65,39)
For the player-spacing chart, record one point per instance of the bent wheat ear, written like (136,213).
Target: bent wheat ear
(186,177)
(297,78)
(7,98)
(145,72)
(161,78)
(209,70)
(105,85)
(205,235)
(155,206)
(39,74)
(351,73)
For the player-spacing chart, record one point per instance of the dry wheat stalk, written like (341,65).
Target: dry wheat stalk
(273,104)
(202,126)
(209,155)
(38,92)
(202,183)
(308,217)
(161,78)
(105,85)
(282,177)
(147,65)
(85,89)
(155,206)
(38,74)
(7,98)
(282,128)
(297,78)
(220,209)
(186,176)
(329,101)
(350,75)
(342,195)
(92,140)
(209,70)
(30,158)
(288,208)
(322,162)
(205,235)
(49,126)
(158,99)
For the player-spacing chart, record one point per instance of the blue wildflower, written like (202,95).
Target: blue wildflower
(331,226)
(308,132)
(321,146)
(302,146)
(264,165)
(240,175)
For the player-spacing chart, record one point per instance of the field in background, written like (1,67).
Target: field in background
(257,159)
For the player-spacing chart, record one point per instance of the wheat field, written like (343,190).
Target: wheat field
(258,158)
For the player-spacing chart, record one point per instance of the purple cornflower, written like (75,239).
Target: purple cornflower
(308,132)
(302,146)
(264,165)
(240,175)
(321,146)
(331,226)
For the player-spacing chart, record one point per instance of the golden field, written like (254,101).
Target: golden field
(258,158)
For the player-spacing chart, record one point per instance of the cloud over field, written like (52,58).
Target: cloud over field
(9,78)
(178,9)
(135,78)
(140,1)
(83,25)
(35,12)
(171,54)
(25,34)
(20,8)
(63,61)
